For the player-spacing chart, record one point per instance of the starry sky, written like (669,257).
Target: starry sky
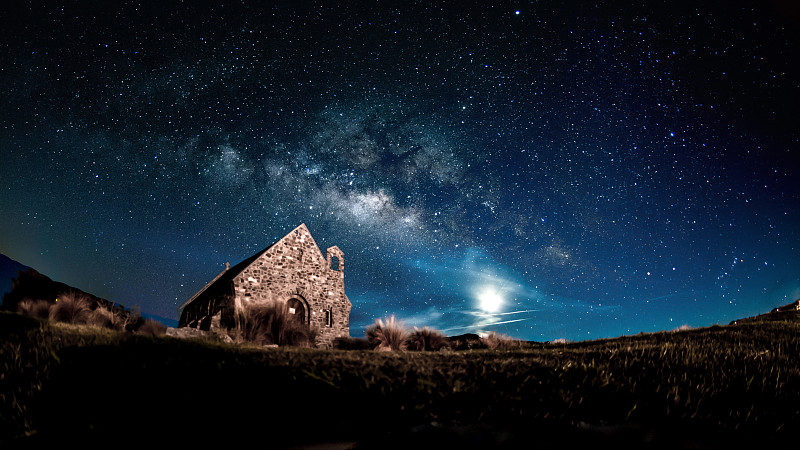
(544,170)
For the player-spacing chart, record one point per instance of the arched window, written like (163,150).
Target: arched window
(334,263)
(328,318)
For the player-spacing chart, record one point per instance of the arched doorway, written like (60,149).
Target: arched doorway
(296,310)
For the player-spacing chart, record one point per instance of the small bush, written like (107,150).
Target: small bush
(496,341)
(387,335)
(130,320)
(39,309)
(71,308)
(427,339)
(152,327)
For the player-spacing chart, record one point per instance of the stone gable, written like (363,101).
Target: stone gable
(291,271)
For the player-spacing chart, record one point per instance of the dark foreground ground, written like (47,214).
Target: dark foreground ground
(734,386)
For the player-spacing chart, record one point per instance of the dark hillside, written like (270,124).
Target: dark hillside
(8,271)
(27,283)
(785,313)
(33,285)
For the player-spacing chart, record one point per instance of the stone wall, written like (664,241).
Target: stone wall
(294,268)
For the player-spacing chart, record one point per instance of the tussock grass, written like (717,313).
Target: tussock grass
(103,317)
(271,324)
(388,335)
(427,339)
(76,308)
(39,309)
(152,328)
(71,307)
(494,341)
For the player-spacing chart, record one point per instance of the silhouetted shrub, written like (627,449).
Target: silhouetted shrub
(387,335)
(469,341)
(131,320)
(71,308)
(39,309)
(427,339)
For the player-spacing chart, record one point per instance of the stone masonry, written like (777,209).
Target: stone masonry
(291,271)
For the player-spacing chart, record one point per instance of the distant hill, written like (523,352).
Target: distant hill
(30,284)
(21,282)
(8,271)
(785,313)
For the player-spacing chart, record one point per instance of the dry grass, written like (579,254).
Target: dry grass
(427,339)
(495,341)
(387,335)
(105,318)
(270,323)
(741,378)
(76,308)
(39,309)
(71,308)
(84,329)
(151,327)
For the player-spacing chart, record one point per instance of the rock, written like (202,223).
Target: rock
(194,333)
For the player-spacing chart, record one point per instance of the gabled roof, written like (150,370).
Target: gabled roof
(226,276)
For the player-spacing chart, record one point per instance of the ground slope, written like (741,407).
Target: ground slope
(718,387)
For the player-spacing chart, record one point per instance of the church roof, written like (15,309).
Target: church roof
(227,275)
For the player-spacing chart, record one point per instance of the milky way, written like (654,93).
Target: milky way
(540,170)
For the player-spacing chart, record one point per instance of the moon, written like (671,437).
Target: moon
(489,300)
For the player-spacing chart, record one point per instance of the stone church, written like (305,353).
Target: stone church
(293,271)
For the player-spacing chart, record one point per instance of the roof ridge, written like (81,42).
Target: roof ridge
(204,288)
(239,267)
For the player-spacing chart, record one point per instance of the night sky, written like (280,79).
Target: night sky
(537,169)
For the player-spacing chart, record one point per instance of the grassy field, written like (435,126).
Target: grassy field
(721,387)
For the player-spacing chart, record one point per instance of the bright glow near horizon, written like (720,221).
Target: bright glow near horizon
(489,300)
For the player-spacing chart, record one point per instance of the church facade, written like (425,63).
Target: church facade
(292,271)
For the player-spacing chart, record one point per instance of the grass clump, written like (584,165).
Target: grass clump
(387,335)
(106,318)
(150,327)
(497,341)
(271,324)
(427,339)
(71,308)
(39,309)
(77,308)
(392,335)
